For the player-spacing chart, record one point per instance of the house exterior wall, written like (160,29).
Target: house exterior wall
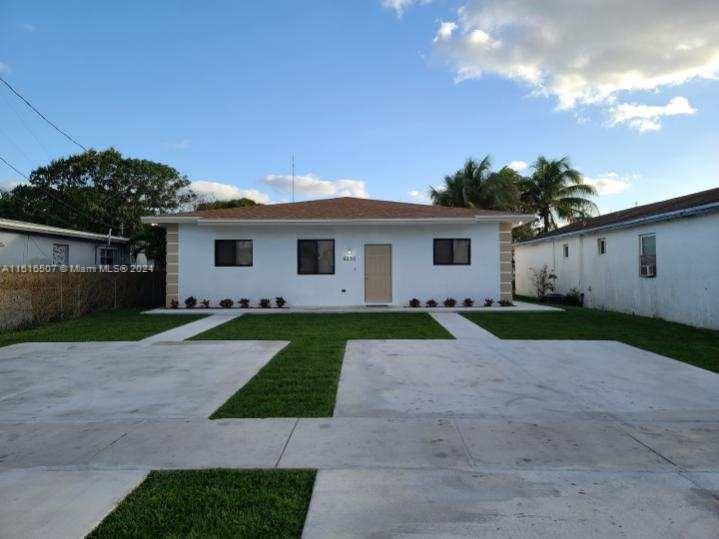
(23,248)
(274,270)
(686,288)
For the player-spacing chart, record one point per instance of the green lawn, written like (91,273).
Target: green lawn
(213,503)
(116,325)
(301,381)
(698,347)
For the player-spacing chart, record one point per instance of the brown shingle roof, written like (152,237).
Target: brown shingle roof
(638,212)
(340,208)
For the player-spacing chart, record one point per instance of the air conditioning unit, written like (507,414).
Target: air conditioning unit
(648,270)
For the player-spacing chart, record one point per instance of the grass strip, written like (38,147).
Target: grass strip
(213,503)
(301,381)
(115,325)
(698,347)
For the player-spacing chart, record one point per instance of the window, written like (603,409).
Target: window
(60,254)
(565,250)
(233,252)
(452,252)
(647,255)
(602,245)
(107,256)
(315,257)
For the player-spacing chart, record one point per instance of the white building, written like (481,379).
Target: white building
(659,260)
(339,252)
(23,243)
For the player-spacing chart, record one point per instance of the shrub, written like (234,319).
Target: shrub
(414,302)
(226,303)
(468,302)
(174,304)
(573,297)
(191,302)
(431,303)
(543,281)
(205,303)
(505,303)
(450,302)
(280,302)
(488,302)
(265,303)
(244,303)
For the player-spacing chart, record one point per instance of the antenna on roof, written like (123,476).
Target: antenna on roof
(293,177)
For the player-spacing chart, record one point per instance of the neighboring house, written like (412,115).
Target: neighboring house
(341,251)
(23,243)
(658,260)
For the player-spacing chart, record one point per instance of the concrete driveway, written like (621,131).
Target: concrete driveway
(468,437)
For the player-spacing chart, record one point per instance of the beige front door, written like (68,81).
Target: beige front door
(378,273)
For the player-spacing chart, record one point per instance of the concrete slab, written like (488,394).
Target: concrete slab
(690,445)
(236,443)
(451,503)
(124,380)
(420,378)
(181,333)
(371,442)
(572,444)
(60,504)
(518,379)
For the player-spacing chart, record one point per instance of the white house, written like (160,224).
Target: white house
(658,260)
(339,252)
(23,243)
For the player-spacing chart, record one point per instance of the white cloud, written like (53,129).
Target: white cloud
(182,144)
(9,185)
(445,31)
(400,6)
(28,27)
(209,190)
(312,185)
(518,166)
(418,196)
(647,117)
(585,53)
(611,183)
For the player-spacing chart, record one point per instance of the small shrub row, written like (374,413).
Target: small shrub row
(227,303)
(451,302)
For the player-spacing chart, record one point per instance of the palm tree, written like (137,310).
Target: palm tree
(556,191)
(477,186)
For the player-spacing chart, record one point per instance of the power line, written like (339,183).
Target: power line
(12,166)
(68,137)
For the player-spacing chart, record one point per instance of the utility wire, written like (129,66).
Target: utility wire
(11,106)
(68,137)
(12,167)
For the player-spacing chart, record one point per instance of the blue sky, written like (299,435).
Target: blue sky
(374,97)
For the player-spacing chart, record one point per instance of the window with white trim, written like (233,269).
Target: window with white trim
(602,245)
(60,254)
(107,256)
(647,255)
(565,250)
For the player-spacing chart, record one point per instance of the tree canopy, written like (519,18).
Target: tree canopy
(97,191)
(224,204)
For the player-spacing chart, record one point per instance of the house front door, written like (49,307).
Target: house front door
(378,273)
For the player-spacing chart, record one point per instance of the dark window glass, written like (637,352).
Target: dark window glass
(315,257)
(107,257)
(452,252)
(233,252)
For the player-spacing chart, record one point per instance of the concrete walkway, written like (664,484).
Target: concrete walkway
(461,328)
(187,331)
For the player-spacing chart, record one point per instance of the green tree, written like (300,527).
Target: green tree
(477,186)
(97,191)
(224,204)
(555,191)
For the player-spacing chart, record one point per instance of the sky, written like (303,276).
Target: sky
(375,98)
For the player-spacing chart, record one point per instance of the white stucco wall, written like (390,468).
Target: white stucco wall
(686,288)
(274,270)
(27,249)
